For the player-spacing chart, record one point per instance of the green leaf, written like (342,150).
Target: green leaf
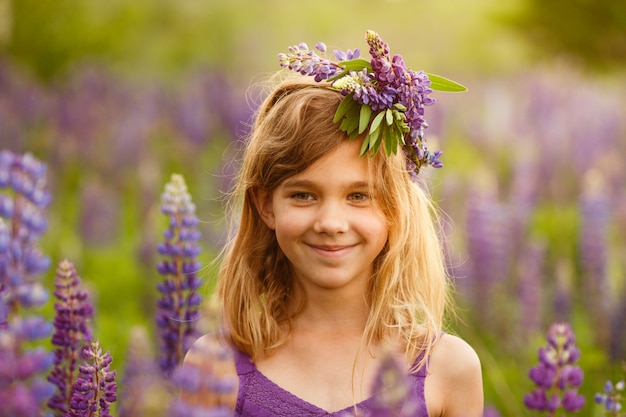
(344,107)
(338,76)
(365,145)
(376,122)
(351,65)
(379,139)
(374,136)
(391,140)
(399,137)
(350,122)
(353,134)
(356,64)
(345,125)
(440,83)
(364,117)
(389,117)
(399,106)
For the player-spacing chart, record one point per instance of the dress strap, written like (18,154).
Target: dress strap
(243,363)
(244,367)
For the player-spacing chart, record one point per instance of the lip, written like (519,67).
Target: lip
(332,251)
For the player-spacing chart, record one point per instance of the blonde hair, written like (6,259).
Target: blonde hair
(409,287)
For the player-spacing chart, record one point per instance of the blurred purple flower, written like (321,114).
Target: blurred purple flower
(595,212)
(491,411)
(178,307)
(100,213)
(145,392)
(612,398)
(556,376)
(95,389)
(530,286)
(207,380)
(72,334)
(24,199)
(489,251)
(391,392)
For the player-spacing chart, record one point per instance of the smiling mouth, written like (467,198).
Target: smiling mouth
(332,251)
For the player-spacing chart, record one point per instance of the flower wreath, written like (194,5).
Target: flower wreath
(383,97)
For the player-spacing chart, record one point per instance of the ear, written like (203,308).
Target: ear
(262,200)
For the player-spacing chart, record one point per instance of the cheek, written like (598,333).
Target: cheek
(382,236)
(289,225)
(383,229)
(376,230)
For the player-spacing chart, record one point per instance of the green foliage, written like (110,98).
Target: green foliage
(439,83)
(588,31)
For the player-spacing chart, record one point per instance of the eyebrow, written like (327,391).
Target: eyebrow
(308,184)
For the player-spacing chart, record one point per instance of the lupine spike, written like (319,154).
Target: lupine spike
(23,203)
(391,392)
(72,334)
(595,211)
(384,84)
(145,390)
(178,307)
(24,199)
(613,396)
(557,376)
(95,389)
(207,381)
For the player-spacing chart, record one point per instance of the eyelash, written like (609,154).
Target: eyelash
(299,196)
(363,196)
(358,196)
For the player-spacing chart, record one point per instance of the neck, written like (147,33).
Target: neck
(334,310)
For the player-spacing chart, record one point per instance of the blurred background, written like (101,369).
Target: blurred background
(115,96)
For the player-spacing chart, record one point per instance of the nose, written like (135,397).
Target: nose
(331,219)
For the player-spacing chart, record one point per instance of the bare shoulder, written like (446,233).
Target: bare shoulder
(455,358)
(454,386)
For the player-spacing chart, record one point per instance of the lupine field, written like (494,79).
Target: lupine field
(111,217)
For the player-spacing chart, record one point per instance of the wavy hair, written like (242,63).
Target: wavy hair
(408,292)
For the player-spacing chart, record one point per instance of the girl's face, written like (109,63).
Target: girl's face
(326,222)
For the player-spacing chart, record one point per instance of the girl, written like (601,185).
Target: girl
(335,258)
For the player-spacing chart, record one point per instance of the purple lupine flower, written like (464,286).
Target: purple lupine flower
(612,398)
(24,198)
(72,333)
(595,210)
(557,376)
(178,307)
(307,62)
(95,389)
(22,387)
(411,89)
(207,382)
(22,206)
(145,392)
(491,411)
(530,287)
(347,55)
(384,87)
(489,251)
(391,392)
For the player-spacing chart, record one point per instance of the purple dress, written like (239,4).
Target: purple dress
(260,397)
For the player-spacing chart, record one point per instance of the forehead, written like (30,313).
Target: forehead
(342,164)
